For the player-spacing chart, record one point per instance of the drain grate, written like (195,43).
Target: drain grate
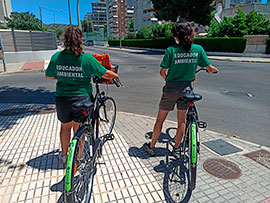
(222,147)
(20,111)
(261,156)
(222,168)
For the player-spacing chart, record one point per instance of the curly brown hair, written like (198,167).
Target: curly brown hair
(73,38)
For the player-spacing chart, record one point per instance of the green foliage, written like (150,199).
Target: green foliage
(197,11)
(144,33)
(158,30)
(23,21)
(221,44)
(252,23)
(131,35)
(268,46)
(131,26)
(161,43)
(87,26)
(3,27)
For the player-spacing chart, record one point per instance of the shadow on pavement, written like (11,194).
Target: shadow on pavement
(47,161)
(25,95)
(148,52)
(175,182)
(17,103)
(59,187)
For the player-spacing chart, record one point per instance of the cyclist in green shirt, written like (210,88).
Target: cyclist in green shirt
(178,69)
(73,69)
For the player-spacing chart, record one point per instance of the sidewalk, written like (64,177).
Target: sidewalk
(30,170)
(234,57)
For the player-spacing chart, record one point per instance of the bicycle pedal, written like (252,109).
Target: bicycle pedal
(202,124)
(110,137)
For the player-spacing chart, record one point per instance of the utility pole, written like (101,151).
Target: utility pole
(69,12)
(40,17)
(78,15)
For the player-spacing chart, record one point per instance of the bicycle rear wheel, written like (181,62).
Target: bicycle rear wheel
(107,116)
(79,174)
(192,161)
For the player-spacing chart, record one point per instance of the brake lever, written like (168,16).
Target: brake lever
(117,82)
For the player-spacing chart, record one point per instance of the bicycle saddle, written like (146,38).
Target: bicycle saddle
(82,105)
(191,96)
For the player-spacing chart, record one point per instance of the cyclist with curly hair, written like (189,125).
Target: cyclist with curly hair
(73,69)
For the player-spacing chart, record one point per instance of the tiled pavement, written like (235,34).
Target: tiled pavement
(30,171)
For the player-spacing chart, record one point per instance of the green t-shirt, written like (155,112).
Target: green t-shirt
(182,65)
(74,73)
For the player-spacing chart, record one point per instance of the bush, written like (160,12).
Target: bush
(268,46)
(161,43)
(144,33)
(252,23)
(221,44)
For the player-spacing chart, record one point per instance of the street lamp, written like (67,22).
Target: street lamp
(60,10)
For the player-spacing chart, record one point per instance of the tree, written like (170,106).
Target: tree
(131,25)
(87,26)
(191,10)
(23,21)
(163,30)
(252,23)
(144,32)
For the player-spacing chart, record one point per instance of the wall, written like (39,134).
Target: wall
(18,40)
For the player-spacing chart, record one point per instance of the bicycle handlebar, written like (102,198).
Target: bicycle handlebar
(117,82)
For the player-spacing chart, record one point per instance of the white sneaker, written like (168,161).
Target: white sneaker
(62,158)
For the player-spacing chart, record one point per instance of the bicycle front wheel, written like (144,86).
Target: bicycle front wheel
(79,174)
(192,156)
(107,116)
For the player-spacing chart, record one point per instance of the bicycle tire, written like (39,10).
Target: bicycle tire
(192,155)
(77,184)
(107,116)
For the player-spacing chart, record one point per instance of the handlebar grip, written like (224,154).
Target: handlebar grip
(116,82)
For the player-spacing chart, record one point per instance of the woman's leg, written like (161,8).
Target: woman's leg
(75,128)
(181,116)
(65,134)
(162,114)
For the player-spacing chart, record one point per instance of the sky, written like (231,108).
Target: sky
(49,8)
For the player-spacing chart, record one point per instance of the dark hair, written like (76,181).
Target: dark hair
(72,38)
(184,33)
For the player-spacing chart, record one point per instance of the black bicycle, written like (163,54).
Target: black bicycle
(190,149)
(86,145)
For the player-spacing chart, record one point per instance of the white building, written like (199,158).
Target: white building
(144,14)
(5,10)
(98,16)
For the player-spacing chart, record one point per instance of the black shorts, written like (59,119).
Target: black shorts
(173,93)
(64,110)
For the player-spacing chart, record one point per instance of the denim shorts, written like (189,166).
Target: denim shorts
(173,93)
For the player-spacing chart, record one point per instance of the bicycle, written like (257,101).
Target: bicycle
(190,149)
(99,115)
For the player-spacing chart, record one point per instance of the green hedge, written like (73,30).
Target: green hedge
(161,43)
(268,46)
(217,44)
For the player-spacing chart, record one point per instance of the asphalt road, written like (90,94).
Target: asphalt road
(235,101)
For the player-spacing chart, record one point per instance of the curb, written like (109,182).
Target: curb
(22,72)
(209,131)
(238,60)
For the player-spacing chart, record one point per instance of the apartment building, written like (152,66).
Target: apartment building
(119,15)
(98,16)
(5,10)
(144,14)
(87,16)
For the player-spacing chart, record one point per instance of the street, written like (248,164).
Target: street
(235,101)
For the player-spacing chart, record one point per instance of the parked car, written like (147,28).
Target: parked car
(89,43)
